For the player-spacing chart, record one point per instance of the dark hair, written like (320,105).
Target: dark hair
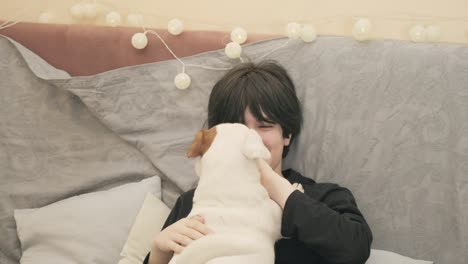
(265,88)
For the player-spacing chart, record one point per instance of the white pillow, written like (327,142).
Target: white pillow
(148,223)
(378,256)
(89,228)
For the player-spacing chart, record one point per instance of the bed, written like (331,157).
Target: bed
(92,130)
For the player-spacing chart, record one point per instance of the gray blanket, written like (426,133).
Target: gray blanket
(51,146)
(386,119)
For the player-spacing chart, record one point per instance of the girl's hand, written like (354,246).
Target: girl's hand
(276,185)
(182,233)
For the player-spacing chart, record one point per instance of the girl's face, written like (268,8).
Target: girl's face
(272,136)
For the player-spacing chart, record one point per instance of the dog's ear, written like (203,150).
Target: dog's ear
(202,142)
(195,147)
(253,147)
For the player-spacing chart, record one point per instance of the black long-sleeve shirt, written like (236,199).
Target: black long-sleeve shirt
(323,225)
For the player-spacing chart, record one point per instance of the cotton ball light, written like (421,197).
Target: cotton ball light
(433,33)
(417,33)
(362,29)
(139,40)
(293,30)
(89,10)
(182,81)
(239,35)
(175,26)
(45,17)
(308,33)
(233,50)
(113,19)
(77,11)
(134,20)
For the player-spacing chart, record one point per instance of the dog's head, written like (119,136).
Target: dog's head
(228,141)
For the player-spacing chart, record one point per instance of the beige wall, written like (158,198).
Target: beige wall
(390,19)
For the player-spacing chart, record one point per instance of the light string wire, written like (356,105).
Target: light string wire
(11,22)
(205,67)
(319,21)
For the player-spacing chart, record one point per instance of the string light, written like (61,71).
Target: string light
(90,10)
(308,33)
(18,15)
(293,30)
(182,81)
(233,50)
(422,31)
(45,17)
(113,19)
(362,29)
(175,26)
(8,24)
(239,35)
(84,10)
(135,20)
(139,40)
(77,11)
(417,33)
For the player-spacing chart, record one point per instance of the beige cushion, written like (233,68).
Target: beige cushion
(148,223)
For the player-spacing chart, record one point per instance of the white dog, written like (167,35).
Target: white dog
(245,221)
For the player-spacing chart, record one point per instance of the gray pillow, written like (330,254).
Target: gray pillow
(51,146)
(142,105)
(387,119)
(88,228)
(378,256)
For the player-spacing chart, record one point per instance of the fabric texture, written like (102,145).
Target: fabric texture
(51,146)
(89,228)
(147,225)
(386,257)
(386,119)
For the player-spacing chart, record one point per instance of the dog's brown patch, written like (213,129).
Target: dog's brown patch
(202,142)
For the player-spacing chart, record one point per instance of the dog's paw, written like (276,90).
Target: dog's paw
(298,186)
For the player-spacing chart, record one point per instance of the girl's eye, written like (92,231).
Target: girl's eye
(266,125)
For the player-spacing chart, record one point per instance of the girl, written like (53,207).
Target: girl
(322,224)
